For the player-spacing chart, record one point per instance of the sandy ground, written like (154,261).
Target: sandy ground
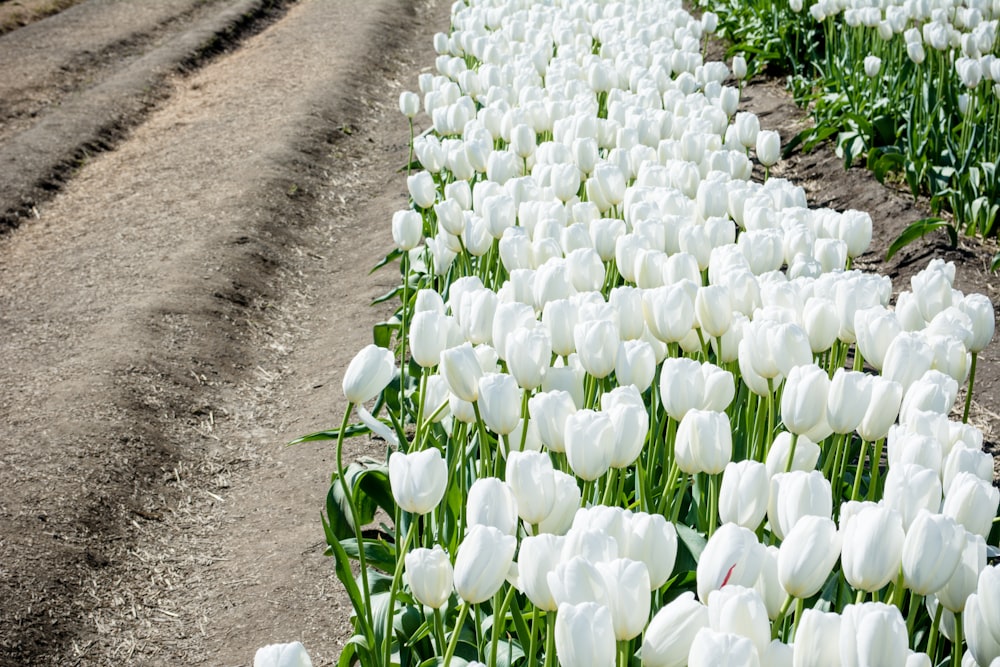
(188,282)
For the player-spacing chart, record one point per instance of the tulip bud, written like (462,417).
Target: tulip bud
(532,480)
(910,488)
(803,402)
(795,495)
(625,407)
(585,635)
(628,587)
(980,312)
(768,147)
(873,633)
(806,454)
(282,655)
(872,66)
(652,540)
(848,399)
(590,443)
(407,228)
(669,312)
(817,639)
(409,103)
(732,556)
(528,355)
(747,128)
(743,494)
(418,480)
(483,562)
(597,344)
(704,442)
(807,556)
(672,631)
(567,500)
(740,611)
(422,189)
(491,502)
(539,555)
(430,576)
(461,370)
(369,373)
(714,310)
(872,548)
(982,618)
(972,502)
(883,409)
(712,648)
(635,364)
(931,552)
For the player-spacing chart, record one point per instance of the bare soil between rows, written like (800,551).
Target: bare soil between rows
(185,301)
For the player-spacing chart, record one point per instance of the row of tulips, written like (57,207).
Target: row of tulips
(915,86)
(637,407)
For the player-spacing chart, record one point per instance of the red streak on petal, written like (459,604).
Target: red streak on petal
(728,574)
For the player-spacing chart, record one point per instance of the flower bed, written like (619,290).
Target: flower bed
(637,406)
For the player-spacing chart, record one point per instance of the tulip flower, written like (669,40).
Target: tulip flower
(597,346)
(669,312)
(418,480)
(954,595)
(550,410)
(715,649)
(817,639)
(635,364)
(740,611)
(461,370)
(982,618)
(567,500)
(630,420)
(491,502)
(732,556)
(422,189)
(628,589)
(704,442)
(532,480)
(584,635)
(282,655)
(682,386)
(803,401)
(430,576)
(369,373)
(807,556)
(883,409)
(743,494)
(669,636)
(848,399)
(528,355)
(873,634)
(910,488)
(932,549)
(652,540)
(797,494)
(407,228)
(590,443)
(538,556)
(979,308)
(482,563)
(805,456)
(872,547)
(426,341)
(768,146)
(972,502)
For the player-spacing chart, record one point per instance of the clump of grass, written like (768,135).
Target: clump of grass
(15,14)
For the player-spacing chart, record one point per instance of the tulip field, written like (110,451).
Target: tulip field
(911,88)
(637,407)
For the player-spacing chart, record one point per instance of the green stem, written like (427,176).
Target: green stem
(396,578)
(956,646)
(876,469)
(968,394)
(462,613)
(533,639)
(524,418)
(857,473)
(405,266)
(713,502)
(355,520)
(498,618)
(550,639)
(484,448)
(776,625)
(935,630)
(791,452)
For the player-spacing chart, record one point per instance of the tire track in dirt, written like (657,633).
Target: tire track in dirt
(187,304)
(77,82)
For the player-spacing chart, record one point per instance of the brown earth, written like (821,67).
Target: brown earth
(187,284)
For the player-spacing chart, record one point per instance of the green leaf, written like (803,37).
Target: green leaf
(692,539)
(382,332)
(886,163)
(995,264)
(391,294)
(391,257)
(378,553)
(919,229)
(342,566)
(352,431)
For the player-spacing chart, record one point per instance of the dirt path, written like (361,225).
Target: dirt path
(185,306)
